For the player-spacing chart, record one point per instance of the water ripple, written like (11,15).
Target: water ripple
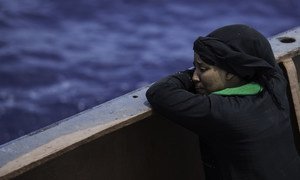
(59,58)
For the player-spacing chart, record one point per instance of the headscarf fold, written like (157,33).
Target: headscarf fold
(242,51)
(215,52)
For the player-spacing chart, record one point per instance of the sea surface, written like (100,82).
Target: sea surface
(61,57)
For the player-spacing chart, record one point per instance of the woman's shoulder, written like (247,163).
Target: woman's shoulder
(234,106)
(263,98)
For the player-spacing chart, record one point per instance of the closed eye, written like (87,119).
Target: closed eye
(202,69)
(200,66)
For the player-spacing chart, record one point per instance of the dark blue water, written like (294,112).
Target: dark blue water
(59,58)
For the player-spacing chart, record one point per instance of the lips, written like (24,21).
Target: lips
(198,86)
(199,89)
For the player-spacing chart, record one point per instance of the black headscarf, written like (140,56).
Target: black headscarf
(243,51)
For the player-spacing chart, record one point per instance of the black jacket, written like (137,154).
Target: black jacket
(242,137)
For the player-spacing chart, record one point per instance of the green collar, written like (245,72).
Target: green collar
(247,89)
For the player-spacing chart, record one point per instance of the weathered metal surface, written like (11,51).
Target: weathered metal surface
(118,112)
(290,67)
(150,149)
(291,72)
(55,146)
(286,44)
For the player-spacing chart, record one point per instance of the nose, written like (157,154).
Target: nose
(195,77)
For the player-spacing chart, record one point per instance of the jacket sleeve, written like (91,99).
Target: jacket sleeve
(173,98)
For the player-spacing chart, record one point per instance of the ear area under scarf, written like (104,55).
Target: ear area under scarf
(229,76)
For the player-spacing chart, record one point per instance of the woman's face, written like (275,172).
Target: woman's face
(207,78)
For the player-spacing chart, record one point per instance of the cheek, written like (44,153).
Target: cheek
(207,80)
(210,81)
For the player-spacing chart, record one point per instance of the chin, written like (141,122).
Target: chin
(201,91)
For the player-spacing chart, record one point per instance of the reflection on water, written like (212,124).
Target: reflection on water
(61,57)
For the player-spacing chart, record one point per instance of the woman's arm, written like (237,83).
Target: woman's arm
(173,98)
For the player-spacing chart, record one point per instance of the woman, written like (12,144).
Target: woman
(235,100)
